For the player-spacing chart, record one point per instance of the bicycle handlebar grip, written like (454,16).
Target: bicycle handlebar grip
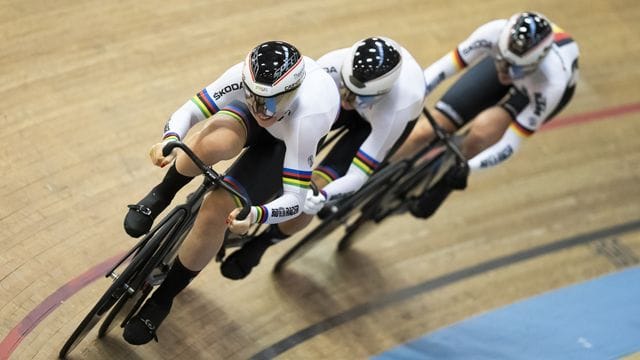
(314,188)
(244,213)
(166,150)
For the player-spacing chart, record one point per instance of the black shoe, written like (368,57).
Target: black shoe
(239,264)
(142,328)
(140,216)
(428,202)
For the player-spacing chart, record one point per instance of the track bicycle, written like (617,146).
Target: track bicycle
(387,192)
(147,263)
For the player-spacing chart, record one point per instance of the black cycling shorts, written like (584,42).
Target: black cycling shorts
(257,172)
(479,89)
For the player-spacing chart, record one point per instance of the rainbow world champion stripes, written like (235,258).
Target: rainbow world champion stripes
(365,162)
(296,178)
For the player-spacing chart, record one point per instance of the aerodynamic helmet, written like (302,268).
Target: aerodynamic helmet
(525,41)
(371,66)
(271,74)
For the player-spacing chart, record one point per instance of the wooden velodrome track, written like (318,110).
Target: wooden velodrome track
(86,87)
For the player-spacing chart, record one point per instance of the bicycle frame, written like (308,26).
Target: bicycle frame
(159,246)
(391,183)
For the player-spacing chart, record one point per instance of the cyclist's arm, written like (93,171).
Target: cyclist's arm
(528,110)
(205,103)
(386,128)
(500,151)
(477,46)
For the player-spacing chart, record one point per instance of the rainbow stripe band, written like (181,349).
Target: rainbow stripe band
(171,136)
(365,162)
(296,178)
(205,103)
(327,173)
(237,187)
(263,214)
(237,113)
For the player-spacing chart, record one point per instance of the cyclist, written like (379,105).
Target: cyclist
(278,105)
(382,94)
(523,71)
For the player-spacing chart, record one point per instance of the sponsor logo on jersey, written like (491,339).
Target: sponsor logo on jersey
(284,211)
(331,69)
(227,89)
(440,78)
(540,103)
(477,45)
(499,157)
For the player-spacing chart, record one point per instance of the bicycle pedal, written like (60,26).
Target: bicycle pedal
(157,276)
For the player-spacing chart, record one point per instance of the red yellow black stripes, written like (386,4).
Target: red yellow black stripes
(560,37)
(460,63)
(365,162)
(296,178)
(205,103)
(521,130)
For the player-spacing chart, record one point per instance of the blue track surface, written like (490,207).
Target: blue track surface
(598,319)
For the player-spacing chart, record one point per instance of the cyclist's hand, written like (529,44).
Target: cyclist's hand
(313,203)
(239,227)
(155,153)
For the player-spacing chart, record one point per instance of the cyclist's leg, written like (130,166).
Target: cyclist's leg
(265,160)
(485,130)
(239,264)
(476,91)
(222,137)
(199,247)
(421,134)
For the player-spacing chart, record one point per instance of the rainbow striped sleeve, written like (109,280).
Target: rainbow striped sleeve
(327,173)
(205,103)
(365,162)
(262,214)
(171,136)
(240,114)
(296,178)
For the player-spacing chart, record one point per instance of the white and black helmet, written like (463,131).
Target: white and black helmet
(525,40)
(372,66)
(271,74)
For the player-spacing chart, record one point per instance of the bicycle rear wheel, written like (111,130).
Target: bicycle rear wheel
(373,188)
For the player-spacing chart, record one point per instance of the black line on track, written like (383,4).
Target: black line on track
(430,285)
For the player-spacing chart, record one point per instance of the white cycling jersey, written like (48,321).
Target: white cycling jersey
(388,118)
(310,117)
(544,87)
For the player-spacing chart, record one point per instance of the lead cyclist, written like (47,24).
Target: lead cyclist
(522,72)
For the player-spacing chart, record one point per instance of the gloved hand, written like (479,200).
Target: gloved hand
(314,203)
(155,153)
(240,227)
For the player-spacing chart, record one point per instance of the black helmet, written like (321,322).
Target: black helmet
(271,73)
(371,66)
(526,39)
